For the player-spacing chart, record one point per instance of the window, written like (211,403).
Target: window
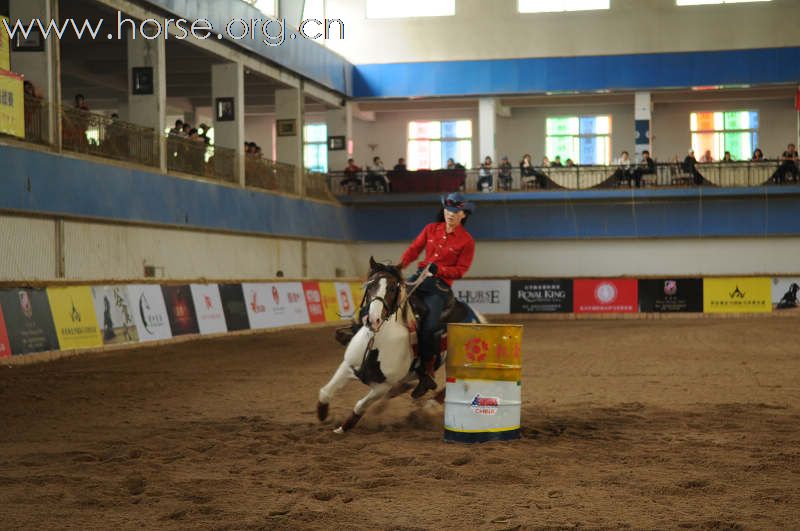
(430,144)
(584,139)
(265,6)
(410,8)
(555,6)
(315,147)
(719,132)
(704,2)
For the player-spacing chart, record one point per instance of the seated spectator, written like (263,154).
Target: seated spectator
(351,179)
(178,129)
(690,166)
(557,162)
(451,164)
(727,157)
(647,166)
(376,178)
(707,157)
(527,171)
(505,177)
(546,162)
(569,163)
(401,165)
(624,171)
(758,155)
(789,165)
(485,178)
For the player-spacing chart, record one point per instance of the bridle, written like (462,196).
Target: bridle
(388,309)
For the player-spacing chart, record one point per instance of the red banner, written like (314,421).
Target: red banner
(797,99)
(606,295)
(5,345)
(314,302)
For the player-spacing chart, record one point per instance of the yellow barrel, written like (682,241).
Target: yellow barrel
(484,373)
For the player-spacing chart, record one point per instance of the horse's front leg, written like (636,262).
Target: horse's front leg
(376,391)
(342,375)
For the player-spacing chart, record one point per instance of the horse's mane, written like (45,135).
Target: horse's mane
(393,270)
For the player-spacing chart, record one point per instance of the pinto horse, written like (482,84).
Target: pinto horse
(381,353)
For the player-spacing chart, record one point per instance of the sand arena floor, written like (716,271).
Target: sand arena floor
(657,424)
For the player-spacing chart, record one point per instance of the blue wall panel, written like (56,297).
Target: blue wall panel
(554,74)
(45,183)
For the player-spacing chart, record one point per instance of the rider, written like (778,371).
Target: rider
(449,250)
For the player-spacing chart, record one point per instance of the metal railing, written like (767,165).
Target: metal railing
(270,175)
(316,186)
(37,118)
(195,157)
(101,136)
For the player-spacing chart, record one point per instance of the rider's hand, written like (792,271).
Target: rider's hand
(433,269)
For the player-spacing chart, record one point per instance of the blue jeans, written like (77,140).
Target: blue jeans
(435,293)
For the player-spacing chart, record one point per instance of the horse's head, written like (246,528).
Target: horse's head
(382,293)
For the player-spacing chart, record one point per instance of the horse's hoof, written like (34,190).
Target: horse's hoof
(339,431)
(322,411)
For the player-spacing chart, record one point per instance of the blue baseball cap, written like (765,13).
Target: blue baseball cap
(456,202)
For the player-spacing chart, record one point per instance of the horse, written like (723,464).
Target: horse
(381,354)
(789,299)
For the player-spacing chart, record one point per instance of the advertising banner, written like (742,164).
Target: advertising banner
(114,314)
(737,295)
(605,295)
(208,308)
(486,296)
(671,295)
(353,296)
(785,293)
(234,307)
(74,317)
(29,323)
(149,312)
(330,301)
(541,296)
(12,104)
(5,46)
(5,345)
(316,313)
(180,310)
(275,304)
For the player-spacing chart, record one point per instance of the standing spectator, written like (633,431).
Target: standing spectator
(401,165)
(485,178)
(202,129)
(505,177)
(758,155)
(178,129)
(789,162)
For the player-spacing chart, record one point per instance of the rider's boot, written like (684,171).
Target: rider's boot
(345,334)
(426,381)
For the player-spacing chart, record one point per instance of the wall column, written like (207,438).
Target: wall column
(227,82)
(145,107)
(487,120)
(288,141)
(340,123)
(642,114)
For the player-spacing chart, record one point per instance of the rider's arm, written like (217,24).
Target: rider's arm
(415,248)
(454,272)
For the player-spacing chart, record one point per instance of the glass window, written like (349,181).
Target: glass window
(315,147)
(718,132)
(430,144)
(555,6)
(410,8)
(584,139)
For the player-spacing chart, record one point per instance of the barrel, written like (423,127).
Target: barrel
(483,390)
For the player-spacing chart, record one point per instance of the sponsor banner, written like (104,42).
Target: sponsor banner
(330,301)
(354,297)
(5,345)
(607,295)
(12,104)
(275,304)
(208,308)
(737,295)
(486,296)
(5,47)
(671,295)
(234,307)
(316,313)
(180,310)
(114,314)
(74,317)
(149,312)
(785,289)
(541,296)
(29,322)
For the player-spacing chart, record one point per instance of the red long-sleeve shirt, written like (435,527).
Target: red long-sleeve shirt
(452,253)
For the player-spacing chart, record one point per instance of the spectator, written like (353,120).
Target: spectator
(569,163)
(351,179)
(401,165)
(376,176)
(485,178)
(203,131)
(758,155)
(451,164)
(624,171)
(647,166)
(33,109)
(789,162)
(557,162)
(727,157)
(178,129)
(546,162)
(80,103)
(707,157)
(505,177)
(690,166)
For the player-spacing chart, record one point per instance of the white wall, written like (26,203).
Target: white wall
(709,256)
(27,248)
(493,29)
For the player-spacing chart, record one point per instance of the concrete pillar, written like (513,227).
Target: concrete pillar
(148,109)
(40,68)
(227,81)
(340,123)
(487,120)
(289,145)
(642,116)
